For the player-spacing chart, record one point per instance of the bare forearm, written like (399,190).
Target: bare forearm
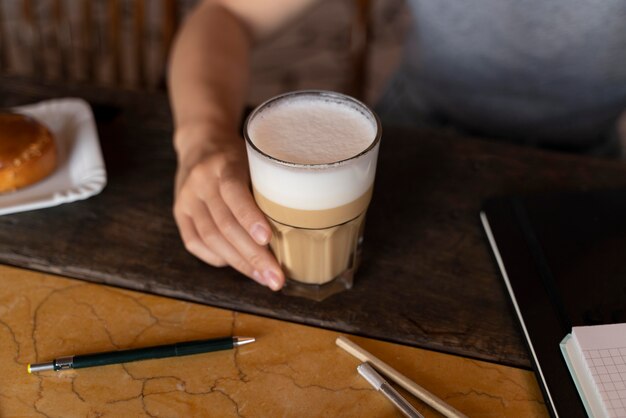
(215,212)
(209,73)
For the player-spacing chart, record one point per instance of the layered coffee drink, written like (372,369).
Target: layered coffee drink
(312,157)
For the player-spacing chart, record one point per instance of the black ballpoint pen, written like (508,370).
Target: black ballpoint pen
(136,354)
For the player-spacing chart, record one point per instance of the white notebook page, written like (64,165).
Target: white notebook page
(604,350)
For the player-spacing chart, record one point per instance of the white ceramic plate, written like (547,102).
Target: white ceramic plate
(80,171)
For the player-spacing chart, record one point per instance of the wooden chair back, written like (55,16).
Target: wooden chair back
(85,40)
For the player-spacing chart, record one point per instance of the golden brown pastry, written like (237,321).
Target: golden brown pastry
(27,151)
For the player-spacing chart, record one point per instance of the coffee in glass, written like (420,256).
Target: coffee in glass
(312,157)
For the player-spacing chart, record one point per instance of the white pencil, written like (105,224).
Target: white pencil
(409,385)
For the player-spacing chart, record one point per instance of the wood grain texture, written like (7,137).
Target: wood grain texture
(427,279)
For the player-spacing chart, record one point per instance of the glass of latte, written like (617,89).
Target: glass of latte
(312,157)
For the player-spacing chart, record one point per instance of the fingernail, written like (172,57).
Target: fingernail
(272,279)
(260,234)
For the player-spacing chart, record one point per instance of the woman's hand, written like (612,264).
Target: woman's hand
(216,214)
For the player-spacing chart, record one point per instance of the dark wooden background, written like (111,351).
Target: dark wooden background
(125,43)
(427,279)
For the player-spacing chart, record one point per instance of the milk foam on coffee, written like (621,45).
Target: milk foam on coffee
(315,138)
(307,130)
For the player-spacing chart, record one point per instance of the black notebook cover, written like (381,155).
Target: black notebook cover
(563,260)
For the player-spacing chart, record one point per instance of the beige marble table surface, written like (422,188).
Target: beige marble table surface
(291,371)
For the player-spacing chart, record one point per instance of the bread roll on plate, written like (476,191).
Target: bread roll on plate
(27,151)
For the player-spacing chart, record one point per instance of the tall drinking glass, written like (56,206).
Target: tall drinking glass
(312,157)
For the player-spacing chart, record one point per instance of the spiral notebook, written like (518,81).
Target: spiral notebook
(562,259)
(596,358)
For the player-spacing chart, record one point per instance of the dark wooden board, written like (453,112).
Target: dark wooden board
(427,279)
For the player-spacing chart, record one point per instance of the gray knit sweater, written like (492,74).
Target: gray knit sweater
(550,73)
